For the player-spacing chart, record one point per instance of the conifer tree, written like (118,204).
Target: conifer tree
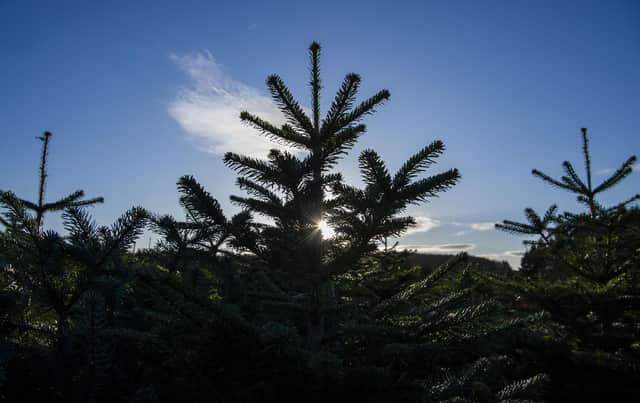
(362,217)
(179,237)
(202,237)
(302,181)
(40,208)
(53,276)
(291,189)
(587,264)
(535,225)
(584,189)
(37,258)
(595,245)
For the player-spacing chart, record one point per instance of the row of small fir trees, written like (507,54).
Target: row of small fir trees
(230,309)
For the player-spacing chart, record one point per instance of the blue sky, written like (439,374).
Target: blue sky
(139,93)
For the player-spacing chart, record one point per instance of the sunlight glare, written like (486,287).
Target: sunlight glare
(325,229)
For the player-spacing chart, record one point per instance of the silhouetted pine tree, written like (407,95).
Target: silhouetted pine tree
(535,225)
(585,191)
(40,208)
(203,234)
(588,278)
(35,259)
(201,208)
(597,245)
(64,289)
(291,189)
(364,217)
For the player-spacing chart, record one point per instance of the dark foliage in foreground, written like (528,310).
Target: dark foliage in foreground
(231,310)
(583,268)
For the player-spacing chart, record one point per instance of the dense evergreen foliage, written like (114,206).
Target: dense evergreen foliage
(233,309)
(583,268)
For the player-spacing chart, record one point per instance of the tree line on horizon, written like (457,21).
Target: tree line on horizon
(229,309)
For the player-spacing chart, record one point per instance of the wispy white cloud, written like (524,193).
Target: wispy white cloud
(506,253)
(604,171)
(482,226)
(423,224)
(473,227)
(444,248)
(209,109)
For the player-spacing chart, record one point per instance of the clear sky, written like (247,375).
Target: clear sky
(138,93)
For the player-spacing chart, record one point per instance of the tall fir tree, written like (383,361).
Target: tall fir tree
(302,181)
(292,189)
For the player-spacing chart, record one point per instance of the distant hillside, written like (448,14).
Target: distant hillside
(431,261)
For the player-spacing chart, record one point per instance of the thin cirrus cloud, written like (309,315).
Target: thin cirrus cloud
(209,109)
(482,226)
(605,171)
(423,224)
(504,254)
(444,248)
(472,227)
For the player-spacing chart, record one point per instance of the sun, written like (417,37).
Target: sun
(325,229)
